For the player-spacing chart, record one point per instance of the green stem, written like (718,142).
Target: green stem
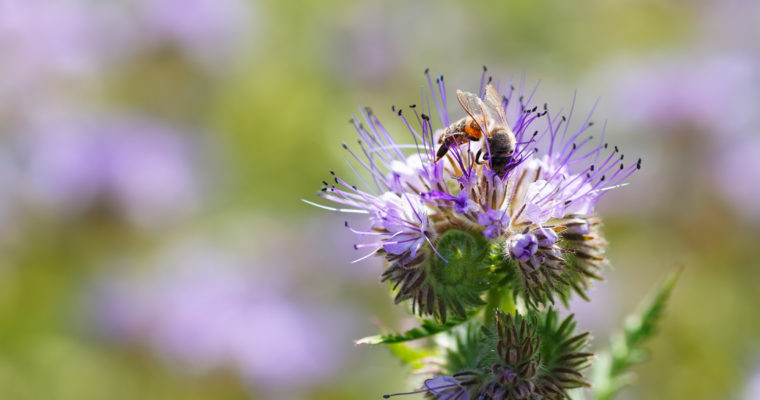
(501,299)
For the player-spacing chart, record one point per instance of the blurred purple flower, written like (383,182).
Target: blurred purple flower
(688,90)
(143,169)
(737,174)
(752,390)
(40,40)
(205,30)
(203,307)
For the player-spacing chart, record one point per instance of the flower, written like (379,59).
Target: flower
(536,220)
(203,305)
(139,167)
(205,30)
(533,357)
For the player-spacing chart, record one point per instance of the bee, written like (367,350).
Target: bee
(487,117)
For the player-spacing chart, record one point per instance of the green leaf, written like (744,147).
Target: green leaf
(410,355)
(626,349)
(427,329)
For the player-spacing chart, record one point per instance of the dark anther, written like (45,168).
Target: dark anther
(545,106)
(605,145)
(440,78)
(336,180)
(621,166)
(616,149)
(412,105)
(490,79)
(332,172)
(345,146)
(621,157)
(485,69)
(393,108)
(592,167)
(574,146)
(534,109)
(354,187)
(563,118)
(399,112)
(591,123)
(345,223)
(602,180)
(521,99)
(427,70)
(325,183)
(324,189)
(512,87)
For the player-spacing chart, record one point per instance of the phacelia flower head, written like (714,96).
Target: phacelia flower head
(456,212)
(537,356)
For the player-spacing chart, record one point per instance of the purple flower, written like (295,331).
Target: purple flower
(141,168)
(462,202)
(495,221)
(443,387)
(203,307)
(736,174)
(205,30)
(691,90)
(553,179)
(44,42)
(523,247)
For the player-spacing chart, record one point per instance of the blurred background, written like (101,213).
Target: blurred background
(153,154)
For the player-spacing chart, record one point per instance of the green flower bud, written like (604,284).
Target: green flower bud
(451,281)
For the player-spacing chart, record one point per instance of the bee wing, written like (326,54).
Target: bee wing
(494,107)
(474,106)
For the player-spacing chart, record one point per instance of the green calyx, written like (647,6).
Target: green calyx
(451,281)
(516,357)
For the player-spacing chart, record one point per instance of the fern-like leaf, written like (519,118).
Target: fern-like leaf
(626,349)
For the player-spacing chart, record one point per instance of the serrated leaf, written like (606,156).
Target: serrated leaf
(611,372)
(427,329)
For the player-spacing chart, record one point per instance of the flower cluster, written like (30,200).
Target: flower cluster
(539,213)
(459,232)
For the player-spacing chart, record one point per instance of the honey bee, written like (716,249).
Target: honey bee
(490,117)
